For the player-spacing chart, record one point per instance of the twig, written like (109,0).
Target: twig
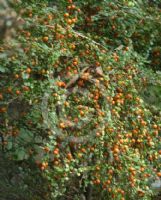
(76,77)
(94,42)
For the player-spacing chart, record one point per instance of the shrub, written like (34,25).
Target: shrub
(74,106)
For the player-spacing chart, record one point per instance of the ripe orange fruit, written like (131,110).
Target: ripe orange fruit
(80,83)
(131,169)
(155,126)
(128,96)
(62,125)
(61,84)
(56,151)
(18,92)
(69,156)
(56,162)
(75,63)
(156,132)
(143,123)
(1,96)
(26,88)
(3,110)
(159,174)
(74,20)
(110,171)
(45,38)
(69,21)
(83,150)
(17,76)
(98,134)
(66,103)
(50,17)
(30,14)
(97,168)
(28,34)
(66,15)
(73,6)
(97,182)
(116,150)
(44,165)
(108,182)
(69,7)
(82,113)
(28,70)
(97,64)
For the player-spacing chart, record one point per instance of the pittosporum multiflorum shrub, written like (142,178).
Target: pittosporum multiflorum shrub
(73,110)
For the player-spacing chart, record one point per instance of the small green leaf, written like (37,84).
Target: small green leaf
(2,69)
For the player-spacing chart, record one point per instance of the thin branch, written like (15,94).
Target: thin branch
(92,41)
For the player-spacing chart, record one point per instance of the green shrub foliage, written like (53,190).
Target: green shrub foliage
(80,99)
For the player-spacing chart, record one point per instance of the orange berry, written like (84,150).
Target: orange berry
(1,96)
(98,134)
(66,103)
(3,110)
(74,20)
(80,83)
(66,15)
(98,181)
(76,120)
(128,96)
(69,7)
(97,64)
(97,168)
(108,182)
(159,174)
(18,92)
(45,38)
(17,76)
(28,34)
(110,171)
(83,150)
(69,21)
(82,113)
(56,151)
(28,70)
(62,125)
(73,6)
(61,84)
(50,17)
(26,88)
(69,156)
(75,63)
(116,150)
(143,123)
(155,126)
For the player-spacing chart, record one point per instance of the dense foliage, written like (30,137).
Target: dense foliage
(80,100)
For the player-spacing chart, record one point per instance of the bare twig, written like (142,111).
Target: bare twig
(92,41)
